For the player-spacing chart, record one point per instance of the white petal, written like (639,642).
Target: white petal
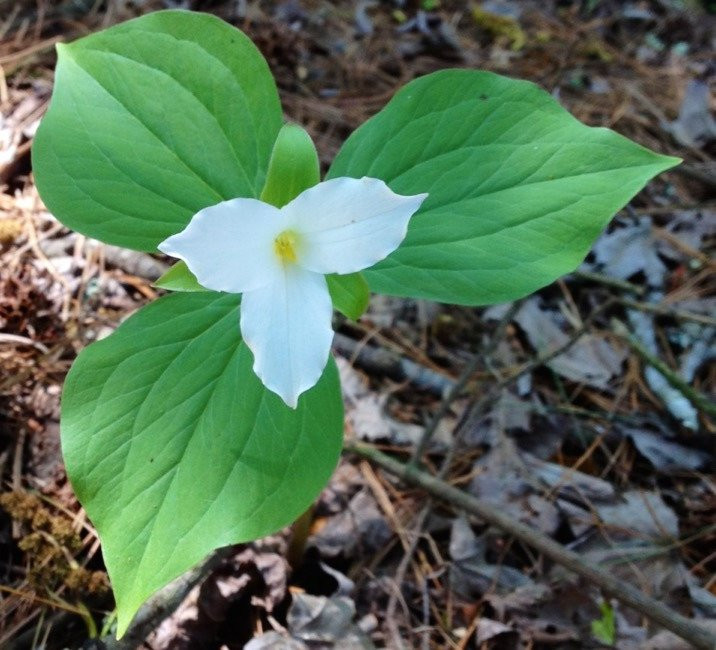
(349,224)
(230,246)
(287,326)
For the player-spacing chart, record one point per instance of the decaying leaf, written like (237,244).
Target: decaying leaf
(471,575)
(591,359)
(489,630)
(326,621)
(695,124)
(505,480)
(641,515)
(360,527)
(628,248)
(367,416)
(664,454)
(251,583)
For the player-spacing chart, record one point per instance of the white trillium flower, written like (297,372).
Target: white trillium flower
(277,258)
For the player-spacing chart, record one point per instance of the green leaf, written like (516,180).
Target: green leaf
(179,278)
(350,294)
(293,167)
(175,448)
(518,188)
(152,120)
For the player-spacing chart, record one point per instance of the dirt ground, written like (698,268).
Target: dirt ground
(587,446)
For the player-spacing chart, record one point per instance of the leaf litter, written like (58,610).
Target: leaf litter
(585,447)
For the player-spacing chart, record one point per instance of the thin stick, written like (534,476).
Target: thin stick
(386,362)
(460,384)
(666,310)
(679,383)
(652,609)
(476,409)
(43,46)
(22,340)
(609,281)
(403,566)
(424,441)
(548,356)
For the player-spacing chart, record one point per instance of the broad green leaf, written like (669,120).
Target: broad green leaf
(152,120)
(179,278)
(350,294)
(175,448)
(293,166)
(518,188)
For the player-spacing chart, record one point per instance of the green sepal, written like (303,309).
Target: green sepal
(350,294)
(179,278)
(293,167)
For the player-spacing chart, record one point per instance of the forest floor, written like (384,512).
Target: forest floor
(590,447)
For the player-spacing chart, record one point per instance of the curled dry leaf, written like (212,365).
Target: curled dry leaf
(360,528)
(471,575)
(326,621)
(590,360)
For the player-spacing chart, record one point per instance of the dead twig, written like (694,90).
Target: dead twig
(652,609)
(402,569)
(457,387)
(703,173)
(390,364)
(474,412)
(665,310)
(460,384)
(609,281)
(36,48)
(16,339)
(17,472)
(423,443)
(689,392)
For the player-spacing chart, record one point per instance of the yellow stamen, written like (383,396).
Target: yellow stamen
(285,246)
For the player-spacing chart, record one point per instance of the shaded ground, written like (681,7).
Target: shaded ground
(590,447)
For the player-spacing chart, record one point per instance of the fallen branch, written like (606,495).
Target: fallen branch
(675,380)
(385,362)
(655,611)
(131,262)
(651,307)
(609,281)
(665,310)
(459,385)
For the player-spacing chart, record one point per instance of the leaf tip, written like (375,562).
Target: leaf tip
(124,618)
(62,49)
(671,161)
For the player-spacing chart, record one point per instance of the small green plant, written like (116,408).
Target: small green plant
(604,629)
(214,415)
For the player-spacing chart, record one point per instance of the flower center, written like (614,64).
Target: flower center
(285,246)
